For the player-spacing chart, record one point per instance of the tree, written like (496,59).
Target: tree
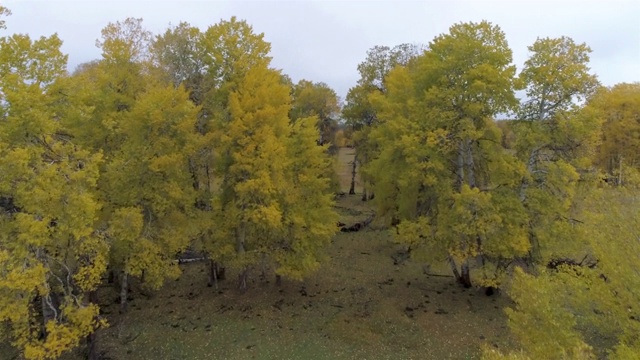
(553,141)
(618,108)
(440,158)
(307,204)
(317,99)
(568,311)
(148,187)
(146,130)
(254,174)
(231,50)
(358,110)
(52,256)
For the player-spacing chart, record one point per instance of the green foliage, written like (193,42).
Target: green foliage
(317,99)
(358,111)
(190,140)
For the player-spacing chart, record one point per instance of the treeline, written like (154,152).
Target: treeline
(190,141)
(184,141)
(510,204)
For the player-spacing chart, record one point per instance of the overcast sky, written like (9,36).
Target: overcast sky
(325,40)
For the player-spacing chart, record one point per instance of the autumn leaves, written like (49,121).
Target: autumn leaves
(180,141)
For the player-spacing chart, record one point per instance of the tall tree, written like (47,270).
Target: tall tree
(317,99)
(358,110)
(255,144)
(149,188)
(52,256)
(552,140)
(438,135)
(307,203)
(618,108)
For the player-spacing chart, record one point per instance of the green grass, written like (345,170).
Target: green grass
(357,306)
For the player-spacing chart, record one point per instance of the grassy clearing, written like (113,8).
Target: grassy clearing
(358,306)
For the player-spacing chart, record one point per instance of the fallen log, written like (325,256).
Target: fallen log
(357,226)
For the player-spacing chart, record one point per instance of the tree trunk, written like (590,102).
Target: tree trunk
(242,279)
(124,291)
(470,165)
(92,350)
(278,280)
(454,268)
(530,167)
(213,274)
(194,175)
(48,312)
(240,238)
(460,166)
(352,188)
(465,276)
(620,172)
(363,180)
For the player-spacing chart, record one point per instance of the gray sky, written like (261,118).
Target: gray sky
(325,40)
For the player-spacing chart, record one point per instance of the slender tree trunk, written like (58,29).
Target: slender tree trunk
(124,291)
(213,274)
(240,238)
(470,164)
(465,276)
(352,188)
(48,312)
(530,168)
(363,180)
(92,347)
(242,279)
(194,174)
(620,172)
(454,268)
(460,166)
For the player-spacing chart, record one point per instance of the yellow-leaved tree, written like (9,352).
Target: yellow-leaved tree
(586,309)
(146,131)
(555,143)
(52,257)
(441,170)
(618,108)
